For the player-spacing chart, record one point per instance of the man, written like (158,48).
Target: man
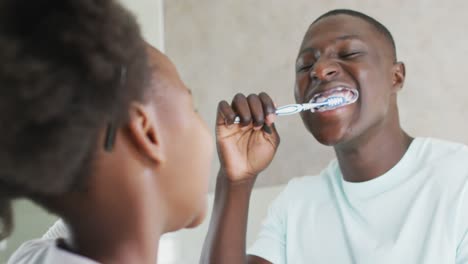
(388,198)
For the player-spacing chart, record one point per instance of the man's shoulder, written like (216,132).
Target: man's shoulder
(447,162)
(443,154)
(440,148)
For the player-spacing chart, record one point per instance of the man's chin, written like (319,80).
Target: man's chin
(329,139)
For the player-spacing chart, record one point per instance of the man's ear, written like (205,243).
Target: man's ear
(145,133)
(398,76)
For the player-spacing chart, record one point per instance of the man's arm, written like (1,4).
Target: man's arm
(244,150)
(226,239)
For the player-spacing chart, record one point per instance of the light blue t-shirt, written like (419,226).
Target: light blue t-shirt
(416,213)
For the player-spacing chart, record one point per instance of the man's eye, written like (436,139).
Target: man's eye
(304,67)
(349,55)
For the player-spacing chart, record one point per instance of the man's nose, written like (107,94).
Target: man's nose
(325,70)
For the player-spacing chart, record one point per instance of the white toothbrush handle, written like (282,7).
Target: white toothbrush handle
(289,109)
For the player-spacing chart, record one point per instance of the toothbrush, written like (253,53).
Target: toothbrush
(290,109)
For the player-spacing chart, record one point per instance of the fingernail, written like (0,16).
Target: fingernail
(267,129)
(270,119)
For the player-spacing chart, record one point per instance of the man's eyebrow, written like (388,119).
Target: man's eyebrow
(340,38)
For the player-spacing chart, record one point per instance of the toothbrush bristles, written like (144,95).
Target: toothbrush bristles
(335,101)
(331,103)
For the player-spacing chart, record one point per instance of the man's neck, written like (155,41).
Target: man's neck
(373,155)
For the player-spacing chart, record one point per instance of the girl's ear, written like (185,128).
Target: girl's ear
(144,130)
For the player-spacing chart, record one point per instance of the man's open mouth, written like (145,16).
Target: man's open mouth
(343,95)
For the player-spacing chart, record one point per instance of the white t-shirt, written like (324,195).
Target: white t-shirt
(58,230)
(46,251)
(415,213)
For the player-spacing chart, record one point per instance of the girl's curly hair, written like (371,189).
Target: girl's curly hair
(62,63)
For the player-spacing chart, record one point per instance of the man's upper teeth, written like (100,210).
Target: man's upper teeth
(340,91)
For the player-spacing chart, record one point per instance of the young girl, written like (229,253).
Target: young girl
(96,127)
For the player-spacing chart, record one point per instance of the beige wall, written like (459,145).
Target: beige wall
(225,47)
(150,17)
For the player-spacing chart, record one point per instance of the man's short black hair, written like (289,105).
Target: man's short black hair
(61,71)
(376,24)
